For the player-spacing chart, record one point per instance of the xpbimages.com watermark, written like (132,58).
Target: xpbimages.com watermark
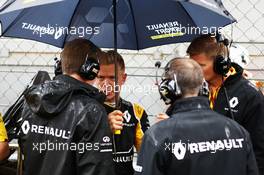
(58,31)
(130,89)
(176,29)
(60,146)
(80,147)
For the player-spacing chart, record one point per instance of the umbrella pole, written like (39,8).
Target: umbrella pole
(116,73)
(115,49)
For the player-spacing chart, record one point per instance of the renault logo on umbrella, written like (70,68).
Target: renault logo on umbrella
(58,33)
(25,127)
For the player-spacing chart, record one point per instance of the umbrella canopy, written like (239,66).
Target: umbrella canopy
(140,24)
(12,5)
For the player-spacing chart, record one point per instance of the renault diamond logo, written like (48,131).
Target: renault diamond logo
(25,127)
(233,102)
(179,150)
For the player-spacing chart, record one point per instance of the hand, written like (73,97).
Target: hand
(115,120)
(161,117)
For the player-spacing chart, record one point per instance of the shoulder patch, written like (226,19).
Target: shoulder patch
(138,110)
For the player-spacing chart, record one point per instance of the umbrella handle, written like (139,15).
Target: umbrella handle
(117,132)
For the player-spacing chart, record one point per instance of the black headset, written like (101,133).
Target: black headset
(222,63)
(57,67)
(169,89)
(89,70)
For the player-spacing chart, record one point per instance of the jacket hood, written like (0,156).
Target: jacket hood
(50,98)
(187,104)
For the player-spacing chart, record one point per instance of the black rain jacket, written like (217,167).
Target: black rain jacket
(247,104)
(64,130)
(196,141)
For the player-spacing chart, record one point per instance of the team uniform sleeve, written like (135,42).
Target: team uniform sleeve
(144,121)
(142,125)
(3,133)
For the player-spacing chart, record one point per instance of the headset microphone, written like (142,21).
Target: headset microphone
(157,66)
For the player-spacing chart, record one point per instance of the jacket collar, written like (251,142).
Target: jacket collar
(233,78)
(188,104)
(90,90)
(73,81)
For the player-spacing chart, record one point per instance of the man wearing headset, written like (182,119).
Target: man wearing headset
(65,129)
(226,83)
(195,140)
(130,120)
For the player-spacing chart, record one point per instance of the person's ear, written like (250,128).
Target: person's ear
(124,78)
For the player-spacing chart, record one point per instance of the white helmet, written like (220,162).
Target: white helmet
(239,55)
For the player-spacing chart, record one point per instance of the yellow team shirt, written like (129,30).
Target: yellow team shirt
(3,134)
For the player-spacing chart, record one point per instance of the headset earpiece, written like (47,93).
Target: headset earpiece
(169,90)
(90,69)
(221,65)
(57,67)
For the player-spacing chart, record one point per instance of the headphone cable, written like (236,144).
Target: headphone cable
(157,66)
(227,100)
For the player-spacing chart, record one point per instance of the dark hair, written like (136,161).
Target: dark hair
(107,58)
(189,74)
(75,53)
